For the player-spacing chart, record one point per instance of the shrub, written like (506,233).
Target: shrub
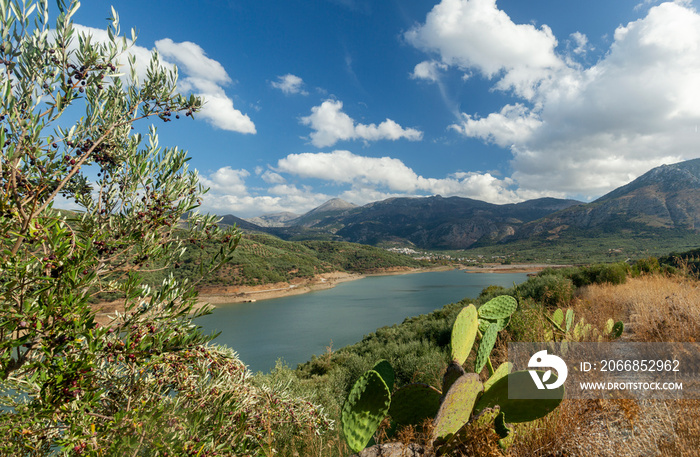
(146,382)
(550,289)
(615,273)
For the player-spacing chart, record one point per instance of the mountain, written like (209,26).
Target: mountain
(324,214)
(273,219)
(230,219)
(666,197)
(662,201)
(443,223)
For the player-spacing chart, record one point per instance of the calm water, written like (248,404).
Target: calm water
(294,328)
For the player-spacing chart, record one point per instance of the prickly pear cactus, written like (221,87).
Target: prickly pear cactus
(365,408)
(617,330)
(503,370)
(412,404)
(505,431)
(485,347)
(569,319)
(385,370)
(558,318)
(456,408)
(464,333)
(453,372)
(614,329)
(520,410)
(500,307)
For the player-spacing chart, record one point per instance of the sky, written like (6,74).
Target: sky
(366,100)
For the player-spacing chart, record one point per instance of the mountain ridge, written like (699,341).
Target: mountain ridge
(664,198)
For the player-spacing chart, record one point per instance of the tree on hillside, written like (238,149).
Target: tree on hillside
(147,383)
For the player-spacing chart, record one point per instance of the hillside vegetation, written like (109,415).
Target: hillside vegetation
(264,259)
(656,303)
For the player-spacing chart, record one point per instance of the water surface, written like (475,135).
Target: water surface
(296,327)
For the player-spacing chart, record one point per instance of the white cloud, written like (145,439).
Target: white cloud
(229,194)
(331,124)
(198,74)
(226,180)
(581,41)
(290,84)
(512,125)
(475,34)
(582,131)
(205,77)
(373,178)
(271,177)
(428,70)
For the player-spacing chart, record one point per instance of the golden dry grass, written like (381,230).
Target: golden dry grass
(654,308)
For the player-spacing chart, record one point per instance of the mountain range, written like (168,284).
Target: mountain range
(666,198)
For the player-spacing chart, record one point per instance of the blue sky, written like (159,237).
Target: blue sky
(365,100)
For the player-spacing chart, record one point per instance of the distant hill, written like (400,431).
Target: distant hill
(323,215)
(666,197)
(665,200)
(273,220)
(441,223)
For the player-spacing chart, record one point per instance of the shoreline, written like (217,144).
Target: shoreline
(246,294)
(224,295)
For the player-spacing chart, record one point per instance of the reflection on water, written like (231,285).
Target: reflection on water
(296,327)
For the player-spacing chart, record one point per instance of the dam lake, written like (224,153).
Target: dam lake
(296,327)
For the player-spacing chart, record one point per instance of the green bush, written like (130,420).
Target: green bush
(648,265)
(550,289)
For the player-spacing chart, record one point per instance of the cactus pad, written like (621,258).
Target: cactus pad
(412,404)
(452,373)
(498,308)
(484,324)
(464,333)
(569,319)
(502,371)
(456,408)
(505,431)
(558,317)
(485,347)
(520,410)
(364,409)
(383,367)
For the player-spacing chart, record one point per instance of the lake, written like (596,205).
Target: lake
(296,327)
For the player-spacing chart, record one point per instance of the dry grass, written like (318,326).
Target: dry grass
(654,309)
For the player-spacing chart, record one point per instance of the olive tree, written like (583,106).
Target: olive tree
(146,381)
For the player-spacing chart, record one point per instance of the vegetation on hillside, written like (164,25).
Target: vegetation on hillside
(264,259)
(578,247)
(418,349)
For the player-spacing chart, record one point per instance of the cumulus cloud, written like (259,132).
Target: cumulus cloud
(475,34)
(428,70)
(331,124)
(514,124)
(290,84)
(205,77)
(230,194)
(581,42)
(373,178)
(198,74)
(579,130)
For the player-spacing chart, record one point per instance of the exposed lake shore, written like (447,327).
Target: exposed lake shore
(246,294)
(239,294)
